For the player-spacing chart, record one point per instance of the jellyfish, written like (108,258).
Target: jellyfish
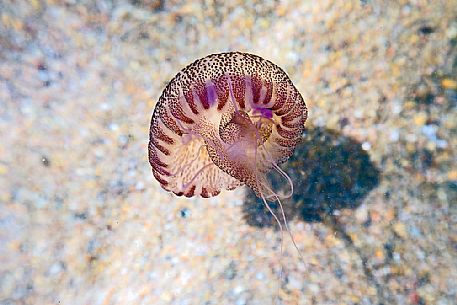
(224,121)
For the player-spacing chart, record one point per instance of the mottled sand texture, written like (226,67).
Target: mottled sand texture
(83,222)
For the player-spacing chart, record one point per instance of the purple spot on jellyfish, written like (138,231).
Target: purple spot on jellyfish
(212,95)
(264,112)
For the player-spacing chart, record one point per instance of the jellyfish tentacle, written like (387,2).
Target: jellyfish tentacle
(275,195)
(276,219)
(282,173)
(290,231)
(281,257)
(285,175)
(286,224)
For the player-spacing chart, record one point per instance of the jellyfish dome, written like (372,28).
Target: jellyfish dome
(223,121)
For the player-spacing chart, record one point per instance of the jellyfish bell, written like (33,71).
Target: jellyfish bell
(224,121)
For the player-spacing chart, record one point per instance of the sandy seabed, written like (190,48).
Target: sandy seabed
(82,220)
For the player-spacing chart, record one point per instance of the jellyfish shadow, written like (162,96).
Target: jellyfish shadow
(330,172)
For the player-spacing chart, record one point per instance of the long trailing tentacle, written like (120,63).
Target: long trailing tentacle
(283,173)
(281,271)
(270,159)
(290,231)
(286,224)
(276,167)
(264,186)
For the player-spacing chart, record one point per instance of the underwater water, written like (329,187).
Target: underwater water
(374,207)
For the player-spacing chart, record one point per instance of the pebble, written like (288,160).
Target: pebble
(362,214)
(449,84)
(366,146)
(400,229)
